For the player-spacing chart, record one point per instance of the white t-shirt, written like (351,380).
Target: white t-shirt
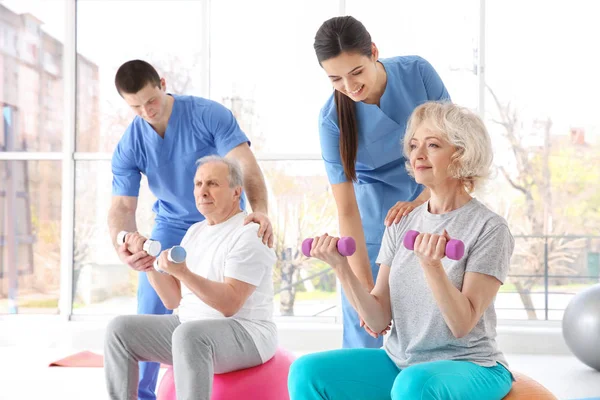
(234,250)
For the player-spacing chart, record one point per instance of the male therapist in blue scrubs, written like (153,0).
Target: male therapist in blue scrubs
(168,135)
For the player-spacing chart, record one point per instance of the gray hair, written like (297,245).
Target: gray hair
(235,171)
(463,129)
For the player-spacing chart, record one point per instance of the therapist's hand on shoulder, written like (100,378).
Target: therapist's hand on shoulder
(266,229)
(399,210)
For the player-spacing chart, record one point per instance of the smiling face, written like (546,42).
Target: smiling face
(430,156)
(353,74)
(447,142)
(215,199)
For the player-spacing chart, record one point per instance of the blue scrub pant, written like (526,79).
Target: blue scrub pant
(369,374)
(354,336)
(150,303)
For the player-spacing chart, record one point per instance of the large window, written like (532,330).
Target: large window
(31,101)
(541,101)
(31,51)
(102,284)
(540,80)
(268,75)
(263,64)
(443,32)
(30,219)
(168,35)
(301,206)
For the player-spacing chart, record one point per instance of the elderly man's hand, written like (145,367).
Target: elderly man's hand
(266,229)
(171,268)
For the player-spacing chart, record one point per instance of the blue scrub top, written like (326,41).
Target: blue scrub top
(197,127)
(380,164)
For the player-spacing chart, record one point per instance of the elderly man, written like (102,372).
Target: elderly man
(223,292)
(164,140)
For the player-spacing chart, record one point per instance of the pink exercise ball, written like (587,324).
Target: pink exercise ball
(265,382)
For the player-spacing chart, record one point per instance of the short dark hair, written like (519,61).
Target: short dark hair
(134,75)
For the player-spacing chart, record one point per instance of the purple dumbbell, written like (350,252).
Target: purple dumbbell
(346,246)
(455,249)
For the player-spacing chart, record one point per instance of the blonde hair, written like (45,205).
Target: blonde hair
(464,130)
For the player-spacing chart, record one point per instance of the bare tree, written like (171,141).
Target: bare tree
(177,73)
(244,111)
(83,234)
(533,179)
(301,208)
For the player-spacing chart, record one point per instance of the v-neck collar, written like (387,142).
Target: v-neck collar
(386,91)
(170,124)
(383,100)
(384,96)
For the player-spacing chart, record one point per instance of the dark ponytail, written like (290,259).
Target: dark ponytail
(348,133)
(336,36)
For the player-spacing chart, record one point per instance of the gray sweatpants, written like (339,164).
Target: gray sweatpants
(196,349)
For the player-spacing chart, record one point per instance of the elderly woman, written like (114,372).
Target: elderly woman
(442,344)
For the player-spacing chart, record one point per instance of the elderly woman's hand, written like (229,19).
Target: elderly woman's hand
(325,249)
(431,248)
(372,333)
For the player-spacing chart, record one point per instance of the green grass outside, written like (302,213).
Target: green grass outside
(321,295)
(44,303)
(315,295)
(572,287)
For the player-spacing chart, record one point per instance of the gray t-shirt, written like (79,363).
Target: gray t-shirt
(419,333)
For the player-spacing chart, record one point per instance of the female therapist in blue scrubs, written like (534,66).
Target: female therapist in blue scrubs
(361,128)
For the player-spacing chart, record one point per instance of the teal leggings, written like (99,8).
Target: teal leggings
(369,374)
